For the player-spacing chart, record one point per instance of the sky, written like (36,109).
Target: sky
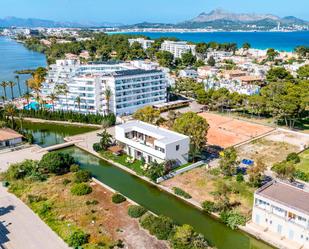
(135,11)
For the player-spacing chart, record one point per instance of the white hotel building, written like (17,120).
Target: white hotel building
(132,88)
(178,48)
(283,209)
(142,140)
(144,43)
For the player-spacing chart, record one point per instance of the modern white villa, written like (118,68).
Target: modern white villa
(144,43)
(283,209)
(177,48)
(143,140)
(132,87)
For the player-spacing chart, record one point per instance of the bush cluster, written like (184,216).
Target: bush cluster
(74,168)
(232,219)
(81,189)
(160,226)
(78,238)
(93,202)
(209,206)
(82,176)
(89,118)
(180,192)
(136,211)
(97,147)
(118,198)
(56,162)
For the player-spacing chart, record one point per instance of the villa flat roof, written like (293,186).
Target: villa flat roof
(163,135)
(287,195)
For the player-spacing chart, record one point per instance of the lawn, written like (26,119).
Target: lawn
(135,166)
(304,162)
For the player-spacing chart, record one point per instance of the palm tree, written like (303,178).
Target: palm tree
(53,97)
(27,96)
(10,110)
(12,84)
(108,94)
(18,84)
(78,101)
(3,98)
(63,90)
(106,139)
(27,85)
(4,85)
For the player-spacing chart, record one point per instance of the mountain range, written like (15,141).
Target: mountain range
(34,22)
(216,19)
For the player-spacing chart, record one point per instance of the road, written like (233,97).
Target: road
(20,228)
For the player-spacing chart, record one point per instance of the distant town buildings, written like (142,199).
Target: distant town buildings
(188,73)
(131,87)
(283,209)
(152,143)
(178,48)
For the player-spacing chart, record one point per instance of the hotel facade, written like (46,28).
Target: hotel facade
(178,48)
(132,87)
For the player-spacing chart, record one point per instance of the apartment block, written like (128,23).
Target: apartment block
(282,208)
(178,48)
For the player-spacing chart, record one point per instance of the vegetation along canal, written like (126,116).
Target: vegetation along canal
(143,193)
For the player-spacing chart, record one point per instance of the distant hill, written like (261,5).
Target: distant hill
(33,22)
(221,19)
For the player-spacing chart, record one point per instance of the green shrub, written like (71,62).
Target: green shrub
(81,189)
(35,198)
(118,198)
(82,176)
(209,206)
(232,219)
(21,170)
(74,168)
(78,238)
(56,162)
(38,176)
(180,192)
(65,182)
(160,226)
(239,177)
(97,147)
(215,171)
(301,175)
(293,157)
(136,211)
(93,202)
(45,208)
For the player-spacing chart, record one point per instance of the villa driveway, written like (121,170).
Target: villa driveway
(20,228)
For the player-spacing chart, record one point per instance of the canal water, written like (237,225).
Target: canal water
(143,193)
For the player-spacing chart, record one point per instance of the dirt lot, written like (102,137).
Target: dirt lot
(274,147)
(228,131)
(199,183)
(106,222)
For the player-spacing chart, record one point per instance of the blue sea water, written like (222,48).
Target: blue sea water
(286,41)
(14,56)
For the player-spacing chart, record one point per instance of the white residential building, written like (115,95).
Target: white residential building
(132,88)
(142,140)
(188,73)
(144,43)
(178,48)
(9,137)
(283,209)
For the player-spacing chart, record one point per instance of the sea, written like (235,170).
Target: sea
(14,56)
(286,41)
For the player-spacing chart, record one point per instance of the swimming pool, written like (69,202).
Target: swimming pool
(36,106)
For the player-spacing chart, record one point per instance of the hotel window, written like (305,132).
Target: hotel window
(177,147)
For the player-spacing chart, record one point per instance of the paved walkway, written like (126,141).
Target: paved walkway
(20,228)
(8,158)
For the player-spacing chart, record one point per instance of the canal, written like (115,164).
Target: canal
(147,195)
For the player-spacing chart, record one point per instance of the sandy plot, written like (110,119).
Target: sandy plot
(228,131)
